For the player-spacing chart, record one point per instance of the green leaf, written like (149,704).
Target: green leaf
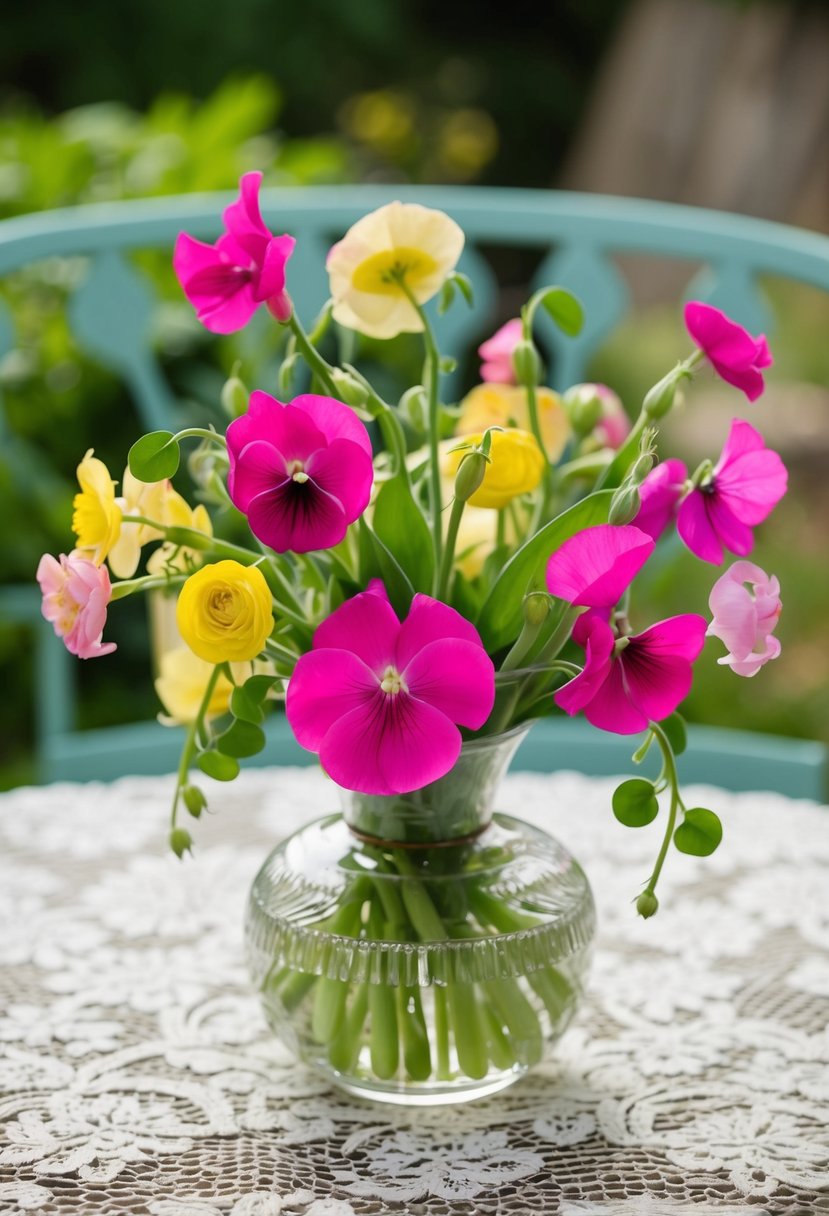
(258,687)
(634,803)
(241,739)
(377,561)
(154,457)
(699,834)
(500,619)
(401,526)
(447,295)
(674,728)
(221,768)
(565,310)
(464,285)
(245,708)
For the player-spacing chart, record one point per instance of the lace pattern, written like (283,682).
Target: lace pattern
(137,1076)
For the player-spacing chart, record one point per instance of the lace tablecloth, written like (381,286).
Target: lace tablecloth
(138,1077)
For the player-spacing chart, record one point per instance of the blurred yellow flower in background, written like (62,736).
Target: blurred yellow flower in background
(180,687)
(516,466)
(506,405)
(96,520)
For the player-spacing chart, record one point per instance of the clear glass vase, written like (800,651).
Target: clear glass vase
(419,948)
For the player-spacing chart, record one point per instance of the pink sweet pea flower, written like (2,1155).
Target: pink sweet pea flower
(76,593)
(745,617)
(381,701)
(735,356)
(613,426)
(496,353)
(624,689)
(746,484)
(659,496)
(227,282)
(301,472)
(595,567)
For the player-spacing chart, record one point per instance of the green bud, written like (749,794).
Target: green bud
(194,800)
(584,407)
(647,904)
(413,405)
(470,474)
(181,842)
(624,505)
(234,397)
(447,365)
(526,363)
(536,607)
(641,468)
(661,399)
(348,388)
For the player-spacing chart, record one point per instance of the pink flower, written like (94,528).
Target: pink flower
(227,282)
(735,356)
(746,484)
(659,496)
(75,597)
(496,353)
(745,617)
(629,683)
(381,701)
(301,472)
(613,426)
(595,567)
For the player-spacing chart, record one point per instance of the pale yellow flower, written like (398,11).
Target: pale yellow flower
(225,612)
(516,466)
(506,405)
(475,540)
(137,498)
(96,520)
(180,687)
(399,243)
(175,512)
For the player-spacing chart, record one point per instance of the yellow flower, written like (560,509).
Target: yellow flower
(399,243)
(225,612)
(138,498)
(516,467)
(505,405)
(175,512)
(97,516)
(475,540)
(181,684)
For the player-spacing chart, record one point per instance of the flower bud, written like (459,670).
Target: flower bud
(413,406)
(526,363)
(641,468)
(470,474)
(661,399)
(349,390)
(584,407)
(234,397)
(536,607)
(647,904)
(624,506)
(194,800)
(181,842)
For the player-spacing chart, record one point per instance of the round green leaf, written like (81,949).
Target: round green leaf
(256,688)
(154,457)
(674,728)
(245,707)
(634,803)
(221,768)
(699,834)
(565,310)
(241,739)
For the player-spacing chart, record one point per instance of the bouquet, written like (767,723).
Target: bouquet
(404,579)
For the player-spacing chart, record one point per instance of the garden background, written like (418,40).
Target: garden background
(709,102)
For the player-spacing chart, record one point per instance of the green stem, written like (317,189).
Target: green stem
(442,1071)
(445,575)
(431,374)
(190,742)
(676,802)
(199,432)
(311,355)
(149,582)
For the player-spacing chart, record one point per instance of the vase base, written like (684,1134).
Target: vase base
(405,1094)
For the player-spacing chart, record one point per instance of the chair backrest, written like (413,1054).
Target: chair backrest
(111,310)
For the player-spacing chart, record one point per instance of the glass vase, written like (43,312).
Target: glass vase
(421,948)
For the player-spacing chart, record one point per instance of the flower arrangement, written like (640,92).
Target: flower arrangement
(381,594)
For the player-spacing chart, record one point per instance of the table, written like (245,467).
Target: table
(138,1076)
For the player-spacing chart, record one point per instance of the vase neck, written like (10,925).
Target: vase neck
(457,807)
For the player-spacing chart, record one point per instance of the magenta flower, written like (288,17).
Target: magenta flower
(595,567)
(227,282)
(735,356)
(745,617)
(301,472)
(76,593)
(381,701)
(496,353)
(659,496)
(746,484)
(628,683)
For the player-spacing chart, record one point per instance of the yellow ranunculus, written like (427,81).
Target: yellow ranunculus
(404,241)
(516,467)
(225,612)
(505,405)
(97,516)
(181,683)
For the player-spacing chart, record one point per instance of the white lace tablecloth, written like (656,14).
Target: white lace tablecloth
(138,1077)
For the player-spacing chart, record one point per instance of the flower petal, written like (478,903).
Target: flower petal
(366,624)
(680,636)
(658,497)
(457,677)
(597,638)
(290,430)
(735,616)
(612,709)
(595,567)
(258,469)
(243,218)
(297,518)
(752,485)
(346,471)
(324,687)
(220,292)
(429,620)
(696,530)
(333,419)
(655,688)
(271,280)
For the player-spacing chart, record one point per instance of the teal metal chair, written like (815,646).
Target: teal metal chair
(111,312)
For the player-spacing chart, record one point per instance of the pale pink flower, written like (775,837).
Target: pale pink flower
(595,567)
(496,353)
(745,486)
(613,426)
(381,700)
(76,593)
(745,602)
(659,496)
(228,281)
(735,355)
(628,683)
